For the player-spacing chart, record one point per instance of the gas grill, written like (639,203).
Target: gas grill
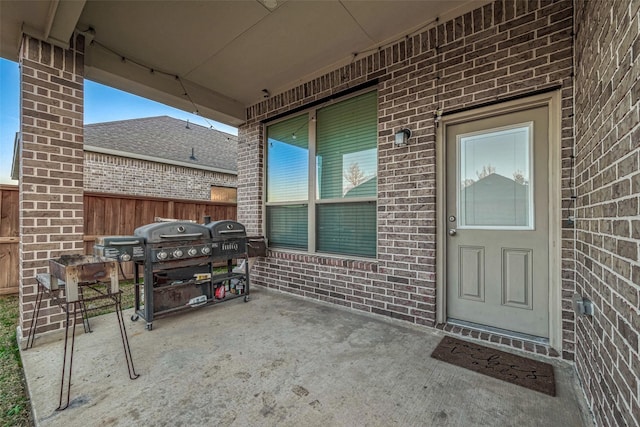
(184,264)
(175,254)
(229,242)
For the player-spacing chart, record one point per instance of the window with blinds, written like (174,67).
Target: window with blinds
(288,183)
(322,179)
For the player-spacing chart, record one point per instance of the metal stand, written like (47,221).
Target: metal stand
(72,309)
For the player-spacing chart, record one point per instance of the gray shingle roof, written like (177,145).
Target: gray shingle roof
(166,139)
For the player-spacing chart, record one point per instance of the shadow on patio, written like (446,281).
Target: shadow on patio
(281,360)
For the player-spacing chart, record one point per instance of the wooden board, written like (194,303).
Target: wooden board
(9,240)
(104,215)
(9,272)
(108,214)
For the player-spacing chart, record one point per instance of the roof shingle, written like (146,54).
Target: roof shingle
(166,138)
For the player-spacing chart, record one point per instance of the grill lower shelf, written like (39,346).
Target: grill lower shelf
(180,289)
(181,295)
(178,296)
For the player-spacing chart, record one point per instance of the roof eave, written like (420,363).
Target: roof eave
(137,156)
(15,165)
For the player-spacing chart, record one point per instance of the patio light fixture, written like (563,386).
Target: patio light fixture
(402,137)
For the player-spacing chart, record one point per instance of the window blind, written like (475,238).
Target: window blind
(346,156)
(288,160)
(347,228)
(287,226)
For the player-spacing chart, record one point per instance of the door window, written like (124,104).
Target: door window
(495,179)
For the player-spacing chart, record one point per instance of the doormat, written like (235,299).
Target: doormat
(497,364)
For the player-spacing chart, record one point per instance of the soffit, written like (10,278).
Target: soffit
(227,52)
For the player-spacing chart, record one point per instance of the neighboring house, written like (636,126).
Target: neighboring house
(495,200)
(158,157)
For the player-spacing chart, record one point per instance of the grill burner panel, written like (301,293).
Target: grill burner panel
(121,248)
(175,241)
(172,253)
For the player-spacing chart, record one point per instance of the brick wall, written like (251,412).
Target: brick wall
(51,164)
(113,174)
(250,168)
(607,104)
(503,49)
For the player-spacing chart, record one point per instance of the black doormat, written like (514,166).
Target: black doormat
(497,364)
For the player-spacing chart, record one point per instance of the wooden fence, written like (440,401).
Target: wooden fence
(9,240)
(104,215)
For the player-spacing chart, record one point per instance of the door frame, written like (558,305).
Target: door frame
(552,100)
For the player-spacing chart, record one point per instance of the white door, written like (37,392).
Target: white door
(498,221)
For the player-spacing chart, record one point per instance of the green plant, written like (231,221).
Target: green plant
(101,306)
(14,403)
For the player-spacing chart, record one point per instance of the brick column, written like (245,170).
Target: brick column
(51,165)
(250,170)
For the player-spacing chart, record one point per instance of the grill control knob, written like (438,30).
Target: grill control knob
(192,252)
(206,250)
(125,257)
(177,253)
(162,255)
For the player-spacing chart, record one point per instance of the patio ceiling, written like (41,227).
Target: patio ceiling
(224,52)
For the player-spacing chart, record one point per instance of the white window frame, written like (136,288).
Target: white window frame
(460,157)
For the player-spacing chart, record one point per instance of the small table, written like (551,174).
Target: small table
(70,297)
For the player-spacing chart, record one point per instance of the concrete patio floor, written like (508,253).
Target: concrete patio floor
(280,360)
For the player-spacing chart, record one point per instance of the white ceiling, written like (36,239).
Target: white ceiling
(225,52)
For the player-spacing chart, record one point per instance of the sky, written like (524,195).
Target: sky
(101,104)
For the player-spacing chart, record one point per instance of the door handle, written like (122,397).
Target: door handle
(452,232)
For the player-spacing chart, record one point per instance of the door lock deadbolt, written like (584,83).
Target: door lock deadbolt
(452,218)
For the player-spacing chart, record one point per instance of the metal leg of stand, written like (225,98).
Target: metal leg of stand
(34,320)
(85,315)
(125,341)
(64,362)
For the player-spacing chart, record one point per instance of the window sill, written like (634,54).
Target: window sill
(354,263)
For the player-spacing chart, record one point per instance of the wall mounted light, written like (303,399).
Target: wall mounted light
(402,137)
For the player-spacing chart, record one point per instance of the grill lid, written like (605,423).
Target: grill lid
(226,229)
(159,232)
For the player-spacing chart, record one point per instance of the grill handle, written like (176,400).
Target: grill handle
(179,236)
(125,243)
(231,231)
